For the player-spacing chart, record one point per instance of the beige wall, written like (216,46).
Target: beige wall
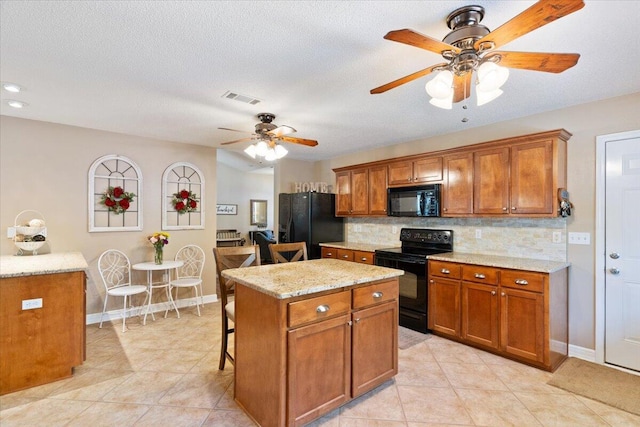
(585,122)
(44,167)
(238,188)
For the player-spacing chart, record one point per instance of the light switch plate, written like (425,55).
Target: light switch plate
(557,237)
(579,238)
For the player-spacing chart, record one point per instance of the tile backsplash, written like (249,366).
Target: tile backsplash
(519,238)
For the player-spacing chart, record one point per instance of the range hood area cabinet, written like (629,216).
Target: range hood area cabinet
(517,176)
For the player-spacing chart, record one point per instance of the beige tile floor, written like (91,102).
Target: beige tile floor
(166,374)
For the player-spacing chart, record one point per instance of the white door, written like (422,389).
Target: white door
(622,252)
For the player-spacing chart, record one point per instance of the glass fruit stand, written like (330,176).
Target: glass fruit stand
(30,232)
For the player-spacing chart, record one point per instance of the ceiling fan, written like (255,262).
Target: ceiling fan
(470,47)
(269,131)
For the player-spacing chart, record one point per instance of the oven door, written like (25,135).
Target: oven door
(413,290)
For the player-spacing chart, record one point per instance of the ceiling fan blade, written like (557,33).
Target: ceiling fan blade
(541,13)
(536,61)
(235,130)
(237,140)
(461,87)
(281,130)
(406,79)
(416,39)
(302,141)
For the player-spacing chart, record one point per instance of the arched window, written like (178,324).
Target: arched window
(115,194)
(182,197)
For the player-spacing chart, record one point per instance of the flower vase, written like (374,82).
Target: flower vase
(158,256)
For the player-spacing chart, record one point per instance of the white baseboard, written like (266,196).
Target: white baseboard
(117,314)
(582,353)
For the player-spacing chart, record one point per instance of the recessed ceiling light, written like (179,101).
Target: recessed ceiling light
(11,87)
(16,104)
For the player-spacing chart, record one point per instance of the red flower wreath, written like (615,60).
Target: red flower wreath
(184,201)
(117,200)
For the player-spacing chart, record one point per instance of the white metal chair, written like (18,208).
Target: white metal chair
(115,271)
(190,274)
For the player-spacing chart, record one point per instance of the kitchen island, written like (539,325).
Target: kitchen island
(42,318)
(312,335)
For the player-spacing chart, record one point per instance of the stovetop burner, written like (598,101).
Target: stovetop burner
(417,243)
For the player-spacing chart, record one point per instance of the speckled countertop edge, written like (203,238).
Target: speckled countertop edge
(288,280)
(367,247)
(528,264)
(16,266)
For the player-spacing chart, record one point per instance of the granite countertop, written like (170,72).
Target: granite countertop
(528,264)
(286,280)
(367,247)
(15,266)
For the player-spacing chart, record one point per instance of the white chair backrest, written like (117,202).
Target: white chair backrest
(193,258)
(115,269)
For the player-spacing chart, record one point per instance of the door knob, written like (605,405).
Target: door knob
(614,271)
(614,255)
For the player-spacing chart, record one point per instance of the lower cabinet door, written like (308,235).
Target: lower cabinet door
(444,306)
(319,369)
(522,324)
(480,314)
(374,346)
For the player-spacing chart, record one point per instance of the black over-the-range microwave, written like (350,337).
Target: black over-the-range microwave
(414,201)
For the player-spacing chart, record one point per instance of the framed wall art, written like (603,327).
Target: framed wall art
(226,209)
(182,197)
(115,194)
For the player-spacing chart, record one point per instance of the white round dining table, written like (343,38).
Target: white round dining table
(150,267)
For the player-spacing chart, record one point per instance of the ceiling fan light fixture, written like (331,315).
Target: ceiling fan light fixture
(444,103)
(262,148)
(484,97)
(271,155)
(491,76)
(441,86)
(251,151)
(280,151)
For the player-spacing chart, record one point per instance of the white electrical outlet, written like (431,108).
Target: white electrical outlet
(30,304)
(579,238)
(478,233)
(557,237)
(394,229)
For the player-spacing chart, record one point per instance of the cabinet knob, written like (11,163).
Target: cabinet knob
(521,282)
(322,308)
(364,258)
(430,281)
(502,294)
(493,292)
(480,276)
(445,271)
(504,209)
(345,256)
(358,320)
(329,253)
(445,209)
(513,208)
(377,294)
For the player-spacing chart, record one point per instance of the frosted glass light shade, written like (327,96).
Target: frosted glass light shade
(271,155)
(445,103)
(262,148)
(280,151)
(484,97)
(251,151)
(491,76)
(441,86)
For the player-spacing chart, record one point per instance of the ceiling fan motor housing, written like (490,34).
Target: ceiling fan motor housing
(266,125)
(465,23)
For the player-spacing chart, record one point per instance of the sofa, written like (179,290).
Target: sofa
(264,238)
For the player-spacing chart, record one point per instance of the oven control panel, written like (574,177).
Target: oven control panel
(424,235)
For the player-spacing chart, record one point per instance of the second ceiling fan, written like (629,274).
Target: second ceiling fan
(470,47)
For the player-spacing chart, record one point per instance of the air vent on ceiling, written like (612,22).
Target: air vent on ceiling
(242,98)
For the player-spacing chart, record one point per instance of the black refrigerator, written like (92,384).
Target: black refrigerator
(309,217)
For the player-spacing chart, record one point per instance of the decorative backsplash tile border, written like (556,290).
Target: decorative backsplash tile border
(519,238)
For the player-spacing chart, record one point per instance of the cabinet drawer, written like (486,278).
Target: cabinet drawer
(345,254)
(327,252)
(318,308)
(363,257)
(374,294)
(480,274)
(525,280)
(444,269)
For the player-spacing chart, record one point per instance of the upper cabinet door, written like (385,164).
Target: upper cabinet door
(428,169)
(457,194)
(532,183)
(343,193)
(491,181)
(359,192)
(378,190)
(400,173)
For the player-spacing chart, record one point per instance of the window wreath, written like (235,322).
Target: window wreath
(184,201)
(117,200)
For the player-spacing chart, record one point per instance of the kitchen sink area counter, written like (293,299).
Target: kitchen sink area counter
(311,336)
(541,266)
(353,246)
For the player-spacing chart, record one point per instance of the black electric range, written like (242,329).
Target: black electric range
(417,244)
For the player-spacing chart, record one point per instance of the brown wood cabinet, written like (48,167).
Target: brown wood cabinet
(416,171)
(363,257)
(301,357)
(514,313)
(513,176)
(42,345)
(361,191)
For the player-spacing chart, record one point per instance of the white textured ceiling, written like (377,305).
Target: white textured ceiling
(159,68)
